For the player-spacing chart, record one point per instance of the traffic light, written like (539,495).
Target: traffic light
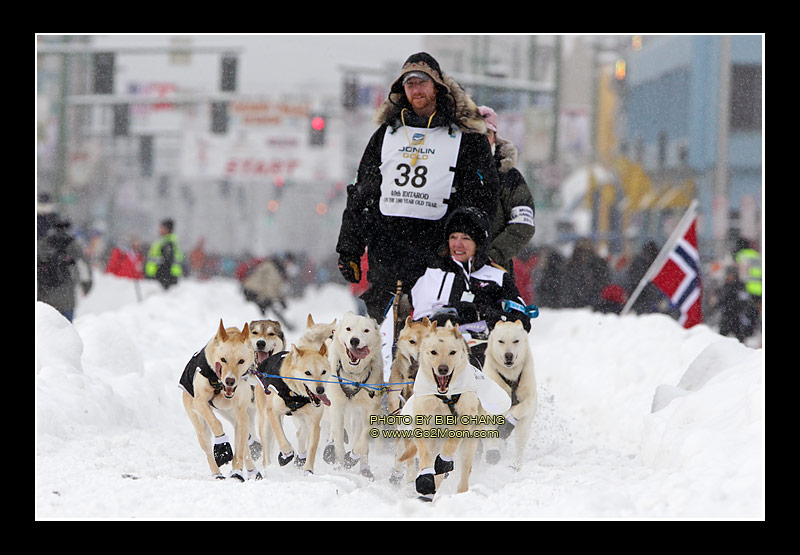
(350,93)
(219,118)
(227,80)
(317,131)
(146,155)
(121,120)
(103,73)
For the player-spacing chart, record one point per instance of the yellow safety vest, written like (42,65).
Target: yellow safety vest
(749,262)
(154,258)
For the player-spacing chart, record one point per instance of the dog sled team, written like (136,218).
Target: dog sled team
(332,380)
(460,354)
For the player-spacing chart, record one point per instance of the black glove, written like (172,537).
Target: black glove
(350,267)
(222,450)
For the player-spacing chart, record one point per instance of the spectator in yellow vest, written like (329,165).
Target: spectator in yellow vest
(165,259)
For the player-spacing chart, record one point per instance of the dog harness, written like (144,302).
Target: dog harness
(513,385)
(199,363)
(348,390)
(407,390)
(451,402)
(268,373)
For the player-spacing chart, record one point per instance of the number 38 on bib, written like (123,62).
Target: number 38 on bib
(418,177)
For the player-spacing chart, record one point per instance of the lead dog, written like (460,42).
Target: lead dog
(210,383)
(444,388)
(509,362)
(357,365)
(295,386)
(266,339)
(401,380)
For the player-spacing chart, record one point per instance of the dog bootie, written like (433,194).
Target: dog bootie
(255,448)
(350,459)
(329,454)
(222,450)
(426,485)
(238,475)
(396,478)
(493,455)
(366,472)
(283,460)
(442,466)
(505,429)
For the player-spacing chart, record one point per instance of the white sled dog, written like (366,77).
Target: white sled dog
(210,384)
(401,388)
(509,362)
(357,365)
(266,338)
(444,390)
(296,388)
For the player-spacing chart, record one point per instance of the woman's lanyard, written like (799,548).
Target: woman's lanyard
(467,296)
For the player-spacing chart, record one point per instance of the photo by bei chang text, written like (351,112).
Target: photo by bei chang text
(440,425)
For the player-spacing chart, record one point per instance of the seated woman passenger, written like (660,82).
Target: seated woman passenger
(465,287)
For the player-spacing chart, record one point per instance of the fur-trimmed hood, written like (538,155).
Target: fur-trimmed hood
(505,153)
(452,100)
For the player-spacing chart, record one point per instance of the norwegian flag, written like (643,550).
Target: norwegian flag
(676,272)
(679,278)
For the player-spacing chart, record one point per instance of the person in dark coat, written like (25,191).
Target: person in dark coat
(429,156)
(61,267)
(732,302)
(649,298)
(585,276)
(551,276)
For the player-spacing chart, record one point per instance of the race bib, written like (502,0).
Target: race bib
(418,177)
(521,215)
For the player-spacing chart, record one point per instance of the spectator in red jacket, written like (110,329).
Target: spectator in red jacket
(127,261)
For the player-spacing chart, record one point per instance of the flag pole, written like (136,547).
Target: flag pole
(677,233)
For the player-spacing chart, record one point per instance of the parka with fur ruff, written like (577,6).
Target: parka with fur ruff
(400,248)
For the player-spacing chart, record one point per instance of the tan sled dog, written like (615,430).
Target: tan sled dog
(401,380)
(443,389)
(357,364)
(210,384)
(316,334)
(266,338)
(509,362)
(296,387)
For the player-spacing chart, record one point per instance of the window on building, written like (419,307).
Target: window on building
(745,97)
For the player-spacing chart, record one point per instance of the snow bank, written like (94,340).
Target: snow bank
(638,418)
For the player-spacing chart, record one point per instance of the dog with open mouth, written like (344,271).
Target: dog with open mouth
(357,365)
(295,384)
(444,390)
(211,385)
(266,339)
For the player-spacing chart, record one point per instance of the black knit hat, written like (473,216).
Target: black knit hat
(423,62)
(468,220)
